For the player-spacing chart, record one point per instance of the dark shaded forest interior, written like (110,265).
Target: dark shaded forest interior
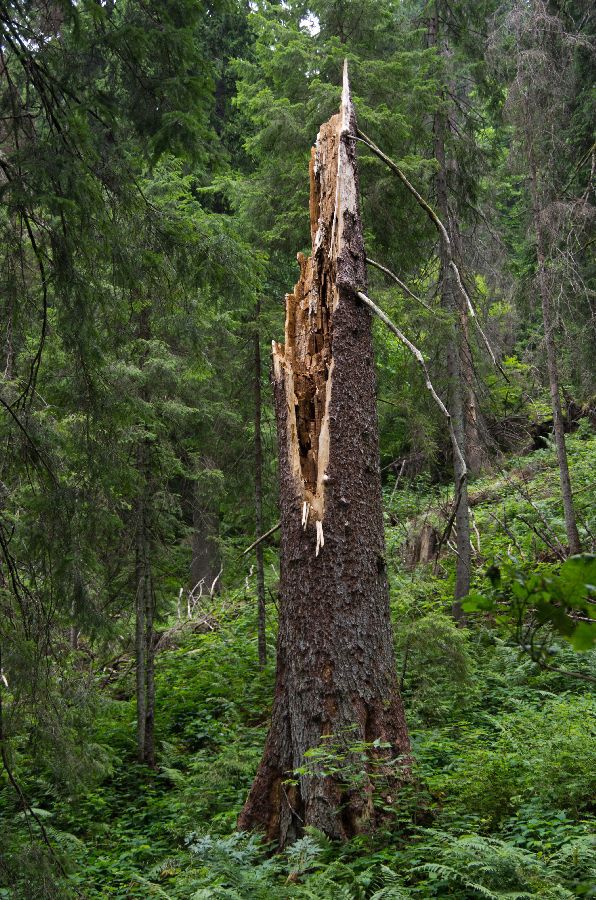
(315,621)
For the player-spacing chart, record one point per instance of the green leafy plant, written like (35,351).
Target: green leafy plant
(535,603)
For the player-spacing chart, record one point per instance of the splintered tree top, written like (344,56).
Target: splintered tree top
(306,360)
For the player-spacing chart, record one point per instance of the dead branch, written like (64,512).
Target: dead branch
(397,480)
(444,237)
(476,548)
(418,197)
(473,316)
(262,538)
(215,580)
(508,532)
(456,448)
(448,527)
(401,284)
(420,359)
(559,549)
(581,675)
(560,553)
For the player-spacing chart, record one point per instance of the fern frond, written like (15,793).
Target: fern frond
(391,893)
(450,874)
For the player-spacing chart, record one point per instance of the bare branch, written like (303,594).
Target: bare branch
(262,538)
(473,316)
(443,234)
(401,284)
(420,360)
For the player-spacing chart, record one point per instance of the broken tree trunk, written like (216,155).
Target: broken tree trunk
(336,680)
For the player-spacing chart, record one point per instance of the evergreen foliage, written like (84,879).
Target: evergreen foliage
(153,195)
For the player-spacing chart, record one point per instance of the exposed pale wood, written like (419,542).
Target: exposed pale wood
(305,360)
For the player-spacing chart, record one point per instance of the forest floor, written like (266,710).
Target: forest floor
(505,750)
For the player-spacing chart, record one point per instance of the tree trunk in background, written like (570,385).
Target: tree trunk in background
(261,633)
(140,632)
(443,121)
(475,449)
(335,659)
(144,628)
(553,369)
(456,405)
(74,631)
(149,669)
(455,346)
(145,598)
(205,561)
(475,453)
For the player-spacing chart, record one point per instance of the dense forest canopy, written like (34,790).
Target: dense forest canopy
(422,618)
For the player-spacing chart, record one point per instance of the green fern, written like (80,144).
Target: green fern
(233,868)
(388,885)
(491,868)
(575,861)
(303,855)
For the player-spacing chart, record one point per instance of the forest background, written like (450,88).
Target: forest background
(153,197)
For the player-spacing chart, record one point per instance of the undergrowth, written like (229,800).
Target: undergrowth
(505,749)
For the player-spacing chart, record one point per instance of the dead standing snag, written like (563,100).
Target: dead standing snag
(335,661)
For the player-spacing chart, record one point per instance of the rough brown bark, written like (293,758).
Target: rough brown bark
(261,623)
(553,369)
(335,660)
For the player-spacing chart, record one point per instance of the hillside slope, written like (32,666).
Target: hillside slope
(505,750)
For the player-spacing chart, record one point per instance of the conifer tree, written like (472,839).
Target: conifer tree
(542,84)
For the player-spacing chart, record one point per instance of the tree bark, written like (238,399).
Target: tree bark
(205,560)
(475,449)
(553,368)
(336,671)
(74,631)
(261,622)
(462,515)
(451,302)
